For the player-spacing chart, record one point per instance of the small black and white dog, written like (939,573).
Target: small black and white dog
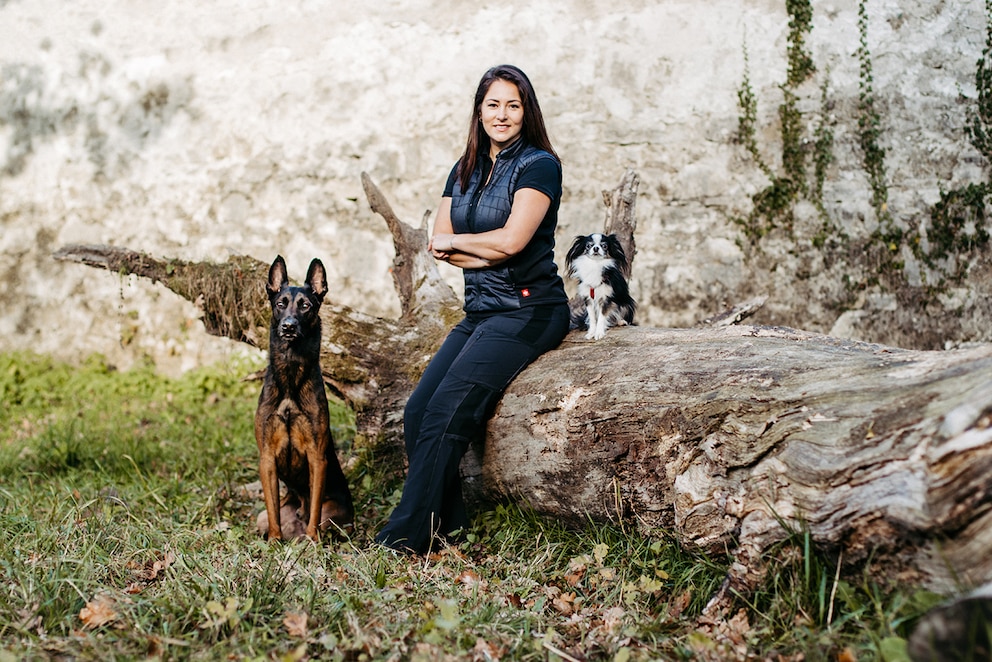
(598,262)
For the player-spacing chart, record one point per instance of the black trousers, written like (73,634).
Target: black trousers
(449,408)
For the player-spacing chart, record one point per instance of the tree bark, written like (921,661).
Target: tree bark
(621,218)
(730,437)
(727,437)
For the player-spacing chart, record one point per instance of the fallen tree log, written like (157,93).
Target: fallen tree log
(730,437)
(726,437)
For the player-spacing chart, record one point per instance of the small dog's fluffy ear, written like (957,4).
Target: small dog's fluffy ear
(317,279)
(278,277)
(578,248)
(616,250)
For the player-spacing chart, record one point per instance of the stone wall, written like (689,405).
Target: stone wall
(195,131)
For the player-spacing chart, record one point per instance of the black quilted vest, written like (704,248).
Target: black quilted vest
(529,277)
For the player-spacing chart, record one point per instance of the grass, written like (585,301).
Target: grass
(125,533)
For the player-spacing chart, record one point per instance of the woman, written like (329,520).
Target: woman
(496,222)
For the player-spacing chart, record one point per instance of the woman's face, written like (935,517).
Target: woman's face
(502,115)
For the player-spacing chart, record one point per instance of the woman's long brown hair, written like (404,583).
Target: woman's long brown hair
(534,131)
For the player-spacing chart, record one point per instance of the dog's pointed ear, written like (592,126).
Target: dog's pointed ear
(278,278)
(317,279)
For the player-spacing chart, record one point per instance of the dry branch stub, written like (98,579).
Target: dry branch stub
(621,218)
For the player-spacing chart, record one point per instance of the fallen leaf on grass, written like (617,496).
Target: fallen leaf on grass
(99,611)
(738,627)
(448,617)
(29,618)
(679,604)
(847,655)
(468,577)
(613,618)
(579,564)
(296,655)
(226,614)
(727,638)
(296,624)
(470,580)
(564,603)
(487,652)
(153,569)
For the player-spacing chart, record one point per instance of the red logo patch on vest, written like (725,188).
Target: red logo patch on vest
(525,292)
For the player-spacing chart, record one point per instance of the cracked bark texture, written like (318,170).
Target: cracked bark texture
(722,436)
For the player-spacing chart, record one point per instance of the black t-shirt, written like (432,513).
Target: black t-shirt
(541,175)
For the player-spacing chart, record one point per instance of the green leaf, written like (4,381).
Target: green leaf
(894,649)
(448,618)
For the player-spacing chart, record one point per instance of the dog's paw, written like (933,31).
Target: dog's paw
(596,333)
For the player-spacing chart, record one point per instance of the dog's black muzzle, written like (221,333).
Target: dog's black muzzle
(289,328)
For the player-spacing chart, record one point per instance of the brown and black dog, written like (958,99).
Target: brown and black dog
(292,425)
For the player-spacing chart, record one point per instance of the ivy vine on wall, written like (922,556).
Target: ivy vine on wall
(773,206)
(956,226)
(957,223)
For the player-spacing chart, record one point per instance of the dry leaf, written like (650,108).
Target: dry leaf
(564,604)
(613,618)
(469,578)
(573,580)
(847,655)
(296,624)
(738,627)
(487,652)
(578,564)
(153,569)
(29,618)
(679,604)
(98,612)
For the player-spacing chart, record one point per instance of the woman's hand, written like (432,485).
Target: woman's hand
(432,246)
(452,256)
(442,243)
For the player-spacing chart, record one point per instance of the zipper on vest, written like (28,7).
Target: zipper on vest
(484,179)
